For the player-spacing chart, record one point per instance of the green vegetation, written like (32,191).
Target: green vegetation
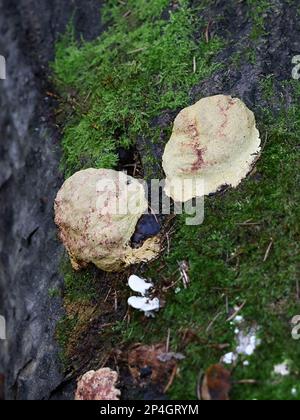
(80,293)
(257,12)
(226,257)
(78,286)
(64,331)
(112,89)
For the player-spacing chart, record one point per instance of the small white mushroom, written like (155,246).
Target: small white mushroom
(282,369)
(248,341)
(294,392)
(229,358)
(139,285)
(148,306)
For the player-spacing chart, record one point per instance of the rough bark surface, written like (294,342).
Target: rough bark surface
(29,160)
(29,179)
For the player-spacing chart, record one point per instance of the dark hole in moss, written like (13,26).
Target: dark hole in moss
(147,227)
(127,159)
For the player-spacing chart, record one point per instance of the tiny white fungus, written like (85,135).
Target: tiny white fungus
(248,342)
(146,305)
(139,285)
(282,369)
(229,358)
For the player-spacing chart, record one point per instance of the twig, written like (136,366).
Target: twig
(116,364)
(231,318)
(105,360)
(264,145)
(168,241)
(107,295)
(87,97)
(168,341)
(268,250)
(199,383)
(249,223)
(107,325)
(137,50)
(183,267)
(194,65)
(126,315)
(154,214)
(213,321)
(207,31)
(246,382)
(127,14)
(171,285)
(52,95)
(235,255)
(116,301)
(169,384)
(161,268)
(227,305)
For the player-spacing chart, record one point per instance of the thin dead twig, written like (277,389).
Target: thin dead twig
(107,296)
(246,382)
(127,14)
(194,65)
(168,341)
(184,268)
(137,50)
(173,375)
(234,315)
(207,31)
(199,383)
(268,250)
(116,301)
(213,321)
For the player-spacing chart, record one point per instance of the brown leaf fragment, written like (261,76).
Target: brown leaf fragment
(216,384)
(151,363)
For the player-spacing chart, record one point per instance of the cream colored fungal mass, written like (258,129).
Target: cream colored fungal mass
(214,143)
(97,211)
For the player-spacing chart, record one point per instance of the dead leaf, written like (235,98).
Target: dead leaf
(149,363)
(216,384)
(166,357)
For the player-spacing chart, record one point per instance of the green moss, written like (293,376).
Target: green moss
(257,12)
(64,330)
(78,286)
(54,293)
(226,259)
(79,293)
(112,89)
